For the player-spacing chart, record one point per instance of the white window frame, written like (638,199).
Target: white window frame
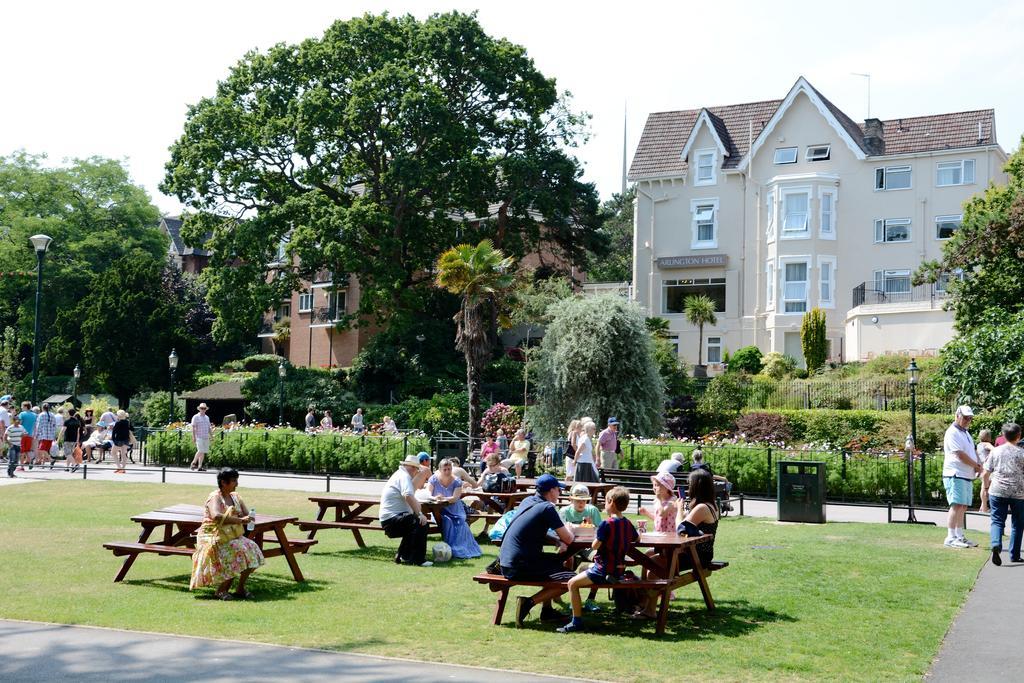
(820,155)
(696,243)
(960,164)
(794,234)
(833,195)
(306,297)
(782,152)
(772,210)
(959,218)
(700,155)
(830,281)
(717,345)
(673,339)
(784,297)
(769,279)
(340,311)
(881,230)
(880,277)
(887,171)
(941,286)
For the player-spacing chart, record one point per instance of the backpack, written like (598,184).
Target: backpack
(627,599)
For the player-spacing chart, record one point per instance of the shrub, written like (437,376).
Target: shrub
(777,365)
(682,419)
(763,428)
(813,339)
(501,416)
(747,359)
(887,365)
(925,404)
(303,387)
(155,410)
(726,394)
(259,361)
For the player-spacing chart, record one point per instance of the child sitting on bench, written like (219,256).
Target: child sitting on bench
(615,537)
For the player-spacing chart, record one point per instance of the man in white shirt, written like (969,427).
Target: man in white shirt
(960,467)
(673,464)
(401,516)
(357,421)
(5,418)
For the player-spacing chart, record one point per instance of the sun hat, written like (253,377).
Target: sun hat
(579,492)
(203,405)
(666,479)
(965,411)
(411,461)
(122,413)
(546,482)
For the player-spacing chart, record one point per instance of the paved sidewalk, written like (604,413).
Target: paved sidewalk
(50,652)
(984,639)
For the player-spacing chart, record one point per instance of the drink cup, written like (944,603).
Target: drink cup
(642,525)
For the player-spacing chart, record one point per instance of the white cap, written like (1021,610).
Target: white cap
(965,411)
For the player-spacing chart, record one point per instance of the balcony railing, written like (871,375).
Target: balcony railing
(895,292)
(325,315)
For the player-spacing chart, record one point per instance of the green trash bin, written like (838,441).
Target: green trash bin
(801,491)
(452,448)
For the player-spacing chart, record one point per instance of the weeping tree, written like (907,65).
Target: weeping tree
(484,279)
(597,359)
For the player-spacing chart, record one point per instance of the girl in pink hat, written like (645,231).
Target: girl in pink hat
(666,503)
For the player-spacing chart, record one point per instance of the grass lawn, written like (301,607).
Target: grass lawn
(799,602)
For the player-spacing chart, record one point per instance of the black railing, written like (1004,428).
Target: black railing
(324,314)
(898,290)
(841,394)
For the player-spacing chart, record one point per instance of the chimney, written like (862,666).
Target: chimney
(873,139)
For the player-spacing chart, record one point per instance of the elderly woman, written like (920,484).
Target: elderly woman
(1003,476)
(519,452)
(222,552)
(445,486)
(388,426)
(585,469)
(99,438)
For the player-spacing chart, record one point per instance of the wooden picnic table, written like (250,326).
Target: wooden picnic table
(498,502)
(180,523)
(596,488)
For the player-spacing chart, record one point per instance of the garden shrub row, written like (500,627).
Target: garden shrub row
(289,450)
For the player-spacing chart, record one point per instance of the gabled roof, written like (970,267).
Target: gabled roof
(172,226)
(660,152)
(719,133)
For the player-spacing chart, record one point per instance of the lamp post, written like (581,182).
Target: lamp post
(76,374)
(172,363)
(40,243)
(281,372)
(913,377)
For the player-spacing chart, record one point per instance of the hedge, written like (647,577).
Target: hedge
(289,450)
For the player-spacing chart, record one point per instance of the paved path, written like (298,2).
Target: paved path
(32,651)
(983,642)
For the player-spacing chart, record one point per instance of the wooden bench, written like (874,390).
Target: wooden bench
(501,585)
(127,548)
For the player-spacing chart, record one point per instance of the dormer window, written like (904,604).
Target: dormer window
(785,155)
(705,168)
(819,152)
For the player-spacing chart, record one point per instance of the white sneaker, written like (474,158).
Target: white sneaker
(428,563)
(955,543)
(969,542)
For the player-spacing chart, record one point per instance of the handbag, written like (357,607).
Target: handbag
(495,482)
(229,532)
(77,452)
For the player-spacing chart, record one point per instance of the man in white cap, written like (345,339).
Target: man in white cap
(401,515)
(960,467)
(201,433)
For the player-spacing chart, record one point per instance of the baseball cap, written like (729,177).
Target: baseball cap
(422,456)
(965,411)
(613,420)
(546,482)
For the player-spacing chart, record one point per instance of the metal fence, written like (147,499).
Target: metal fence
(845,394)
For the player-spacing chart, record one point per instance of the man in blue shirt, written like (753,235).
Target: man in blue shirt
(522,557)
(28,421)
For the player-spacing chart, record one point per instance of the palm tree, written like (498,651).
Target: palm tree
(484,279)
(700,311)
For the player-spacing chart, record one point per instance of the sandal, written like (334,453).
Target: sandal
(640,615)
(224,596)
(243,596)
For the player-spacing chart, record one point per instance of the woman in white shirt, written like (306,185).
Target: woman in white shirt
(585,470)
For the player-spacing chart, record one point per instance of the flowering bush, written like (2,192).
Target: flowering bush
(501,416)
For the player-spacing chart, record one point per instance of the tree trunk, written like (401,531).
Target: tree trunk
(700,343)
(473,389)
(473,340)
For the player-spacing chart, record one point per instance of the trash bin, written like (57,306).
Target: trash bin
(452,448)
(801,491)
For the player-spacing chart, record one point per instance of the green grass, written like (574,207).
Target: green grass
(837,602)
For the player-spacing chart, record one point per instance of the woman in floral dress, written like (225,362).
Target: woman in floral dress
(222,551)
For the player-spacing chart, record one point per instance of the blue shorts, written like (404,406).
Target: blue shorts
(959,491)
(602,579)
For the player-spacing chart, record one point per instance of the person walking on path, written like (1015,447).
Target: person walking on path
(13,436)
(45,434)
(586,472)
(201,432)
(5,418)
(122,436)
(1004,479)
(401,516)
(310,420)
(608,442)
(28,422)
(959,469)
(72,441)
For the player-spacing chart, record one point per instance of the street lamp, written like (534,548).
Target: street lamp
(76,374)
(40,243)
(281,372)
(913,377)
(172,363)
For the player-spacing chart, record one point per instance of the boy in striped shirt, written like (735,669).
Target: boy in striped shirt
(615,537)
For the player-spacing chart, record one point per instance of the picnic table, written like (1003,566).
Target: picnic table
(596,488)
(663,564)
(180,523)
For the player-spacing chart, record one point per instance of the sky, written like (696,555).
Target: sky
(114,79)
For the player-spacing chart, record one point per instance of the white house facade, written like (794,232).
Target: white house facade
(773,208)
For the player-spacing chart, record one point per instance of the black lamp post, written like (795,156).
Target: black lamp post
(281,372)
(172,363)
(40,243)
(913,377)
(75,374)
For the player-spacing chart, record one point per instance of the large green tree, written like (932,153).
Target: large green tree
(597,359)
(373,149)
(98,221)
(484,279)
(617,227)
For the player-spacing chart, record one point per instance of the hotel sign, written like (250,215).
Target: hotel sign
(701,261)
